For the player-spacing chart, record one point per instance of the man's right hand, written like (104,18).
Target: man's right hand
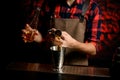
(29,34)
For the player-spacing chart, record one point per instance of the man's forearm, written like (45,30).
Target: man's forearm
(87,48)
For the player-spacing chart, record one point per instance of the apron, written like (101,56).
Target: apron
(76,29)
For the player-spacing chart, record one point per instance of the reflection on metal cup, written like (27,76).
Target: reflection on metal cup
(57,57)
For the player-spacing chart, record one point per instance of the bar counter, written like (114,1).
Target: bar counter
(26,70)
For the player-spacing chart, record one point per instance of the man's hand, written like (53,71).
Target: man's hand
(30,35)
(67,40)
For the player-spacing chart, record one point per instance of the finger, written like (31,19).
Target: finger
(62,36)
(24,30)
(53,29)
(25,39)
(58,40)
(34,32)
(28,27)
(59,43)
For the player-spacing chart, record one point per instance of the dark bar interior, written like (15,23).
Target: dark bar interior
(21,61)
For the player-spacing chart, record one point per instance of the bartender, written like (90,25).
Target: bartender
(79,22)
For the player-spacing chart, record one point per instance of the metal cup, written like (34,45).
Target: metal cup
(57,57)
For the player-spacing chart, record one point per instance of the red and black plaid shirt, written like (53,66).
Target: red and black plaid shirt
(93,16)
